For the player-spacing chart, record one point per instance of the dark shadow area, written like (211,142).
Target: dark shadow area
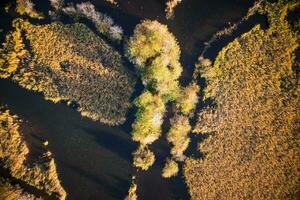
(6,22)
(293,18)
(34,143)
(151,185)
(114,191)
(121,146)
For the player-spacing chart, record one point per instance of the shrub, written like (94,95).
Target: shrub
(188,98)
(149,118)
(202,64)
(26,7)
(170,6)
(155,53)
(113,2)
(57,4)
(170,169)
(178,135)
(143,158)
(132,192)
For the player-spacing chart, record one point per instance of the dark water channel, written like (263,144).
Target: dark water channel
(94,160)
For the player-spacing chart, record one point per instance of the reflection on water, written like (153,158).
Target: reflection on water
(93,160)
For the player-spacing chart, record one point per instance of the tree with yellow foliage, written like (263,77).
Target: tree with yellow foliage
(155,53)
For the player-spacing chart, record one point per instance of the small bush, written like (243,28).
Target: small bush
(57,4)
(170,6)
(143,158)
(188,99)
(149,118)
(170,169)
(132,192)
(26,7)
(178,135)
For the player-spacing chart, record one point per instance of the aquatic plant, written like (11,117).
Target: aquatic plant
(14,153)
(69,62)
(178,135)
(170,169)
(188,98)
(103,23)
(253,148)
(57,4)
(170,6)
(26,7)
(132,192)
(113,2)
(143,158)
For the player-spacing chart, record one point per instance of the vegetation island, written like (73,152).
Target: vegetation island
(252,149)
(67,62)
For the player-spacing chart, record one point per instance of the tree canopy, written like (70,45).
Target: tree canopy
(155,53)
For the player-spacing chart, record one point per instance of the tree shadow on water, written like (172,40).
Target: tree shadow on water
(104,186)
(112,140)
